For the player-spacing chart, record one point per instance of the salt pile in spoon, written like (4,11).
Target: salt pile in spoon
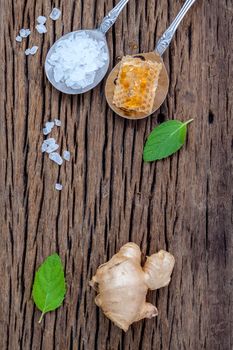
(76,60)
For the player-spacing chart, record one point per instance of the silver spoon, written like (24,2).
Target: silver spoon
(97,34)
(154,56)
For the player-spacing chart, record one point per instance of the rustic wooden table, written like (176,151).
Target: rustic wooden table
(182,204)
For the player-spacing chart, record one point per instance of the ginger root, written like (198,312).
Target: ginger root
(122,284)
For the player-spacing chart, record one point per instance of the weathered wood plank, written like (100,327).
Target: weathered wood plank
(183,204)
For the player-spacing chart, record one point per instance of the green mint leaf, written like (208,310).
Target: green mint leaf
(49,286)
(165,140)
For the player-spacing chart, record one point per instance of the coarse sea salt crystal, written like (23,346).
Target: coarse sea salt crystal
(55,14)
(18,39)
(28,32)
(66,155)
(41,19)
(57,122)
(52,148)
(31,51)
(46,131)
(49,125)
(24,33)
(41,28)
(34,50)
(55,157)
(27,52)
(58,74)
(50,141)
(76,60)
(49,145)
(58,187)
(44,147)
(48,128)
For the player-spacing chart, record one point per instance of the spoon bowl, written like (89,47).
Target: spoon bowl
(161,91)
(93,34)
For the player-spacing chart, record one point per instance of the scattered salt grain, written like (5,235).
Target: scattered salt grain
(66,155)
(27,52)
(76,60)
(34,50)
(31,51)
(43,147)
(49,125)
(41,28)
(55,157)
(57,122)
(55,14)
(18,39)
(52,148)
(58,187)
(46,131)
(41,19)
(49,145)
(49,141)
(24,33)
(28,32)
(48,128)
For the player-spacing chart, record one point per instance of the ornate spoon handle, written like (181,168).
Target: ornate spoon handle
(111,17)
(166,38)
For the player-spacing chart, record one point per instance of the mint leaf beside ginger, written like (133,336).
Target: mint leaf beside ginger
(165,139)
(49,286)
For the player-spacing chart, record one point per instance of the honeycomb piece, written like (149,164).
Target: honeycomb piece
(136,84)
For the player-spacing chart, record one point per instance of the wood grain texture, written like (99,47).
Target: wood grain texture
(183,204)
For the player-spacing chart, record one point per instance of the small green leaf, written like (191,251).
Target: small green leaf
(49,286)
(165,140)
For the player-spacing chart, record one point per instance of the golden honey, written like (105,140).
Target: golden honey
(136,84)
